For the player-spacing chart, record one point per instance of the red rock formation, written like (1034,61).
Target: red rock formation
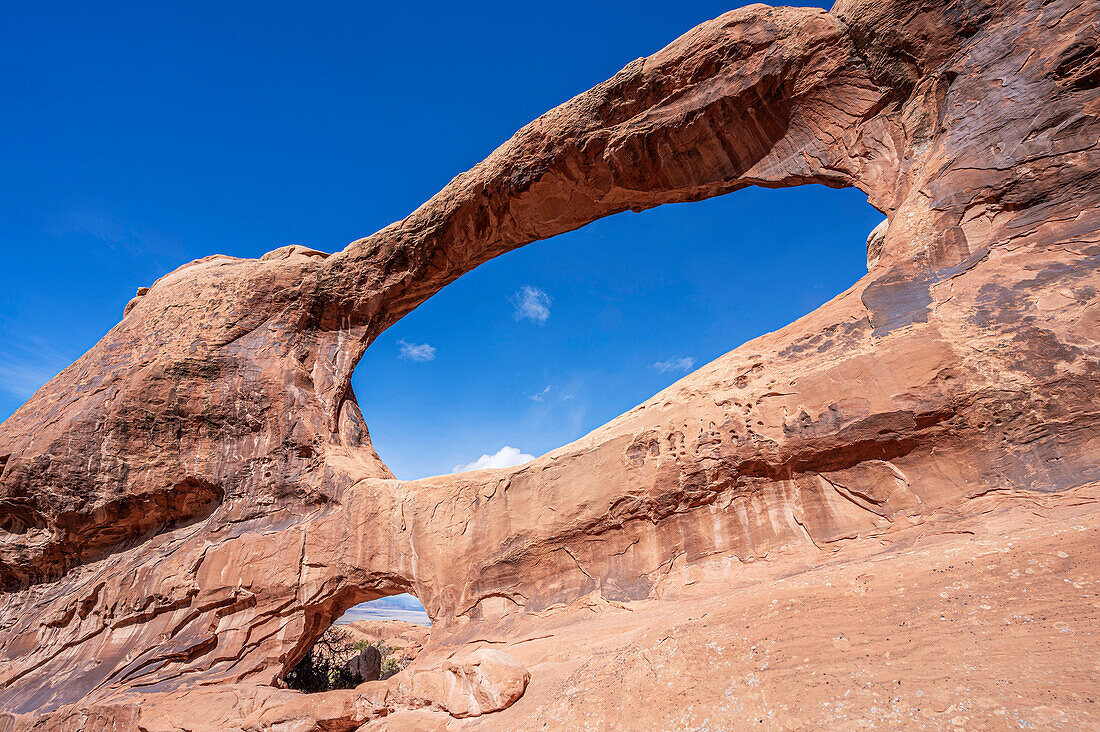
(190,504)
(405,640)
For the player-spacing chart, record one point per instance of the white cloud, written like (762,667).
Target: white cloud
(541,396)
(677,364)
(505,457)
(416,351)
(533,304)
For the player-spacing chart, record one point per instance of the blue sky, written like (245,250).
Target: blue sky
(138,136)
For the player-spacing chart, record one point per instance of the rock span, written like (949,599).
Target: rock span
(190,504)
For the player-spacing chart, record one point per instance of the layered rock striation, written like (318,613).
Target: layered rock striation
(196,499)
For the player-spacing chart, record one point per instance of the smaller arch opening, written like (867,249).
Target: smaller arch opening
(370,641)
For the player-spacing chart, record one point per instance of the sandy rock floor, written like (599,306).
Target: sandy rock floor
(981,622)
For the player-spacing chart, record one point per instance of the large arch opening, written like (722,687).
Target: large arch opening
(535,348)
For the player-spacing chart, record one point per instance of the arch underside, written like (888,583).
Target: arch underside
(225,504)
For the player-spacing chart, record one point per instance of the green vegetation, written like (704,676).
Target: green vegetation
(390,664)
(324,667)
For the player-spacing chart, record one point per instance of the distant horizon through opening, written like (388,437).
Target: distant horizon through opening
(404,607)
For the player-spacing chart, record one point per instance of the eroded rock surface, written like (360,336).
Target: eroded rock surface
(190,504)
(405,640)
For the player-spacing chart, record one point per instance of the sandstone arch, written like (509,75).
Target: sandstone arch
(196,498)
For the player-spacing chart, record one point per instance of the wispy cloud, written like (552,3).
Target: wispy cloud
(416,351)
(505,457)
(541,396)
(23,379)
(116,233)
(95,224)
(27,365)
(675,365)
(531,303)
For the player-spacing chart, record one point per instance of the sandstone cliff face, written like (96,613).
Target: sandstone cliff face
(185,508)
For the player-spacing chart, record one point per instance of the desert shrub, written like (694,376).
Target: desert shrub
(323,666)
(390,666)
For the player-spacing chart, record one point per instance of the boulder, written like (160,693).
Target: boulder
(366,665)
